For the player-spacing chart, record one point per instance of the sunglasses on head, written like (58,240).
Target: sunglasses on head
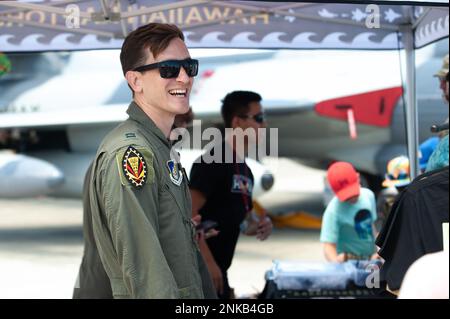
(400,176)
(258,118)
(171,68)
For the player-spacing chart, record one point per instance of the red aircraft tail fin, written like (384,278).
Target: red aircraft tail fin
(372,108)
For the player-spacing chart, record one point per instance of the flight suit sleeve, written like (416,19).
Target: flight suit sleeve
(131,218)
(209,290)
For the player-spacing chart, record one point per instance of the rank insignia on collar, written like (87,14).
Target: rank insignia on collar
(134,167)
(175,174)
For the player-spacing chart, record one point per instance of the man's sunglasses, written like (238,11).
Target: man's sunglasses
(171,68)
(258,118)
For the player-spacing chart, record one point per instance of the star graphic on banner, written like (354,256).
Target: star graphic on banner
(391,15)
(290,18)
(358,15)
(324,13)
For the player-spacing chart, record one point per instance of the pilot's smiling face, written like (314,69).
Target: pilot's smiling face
(168,95)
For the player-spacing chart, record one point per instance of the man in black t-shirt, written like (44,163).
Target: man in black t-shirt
(222,190)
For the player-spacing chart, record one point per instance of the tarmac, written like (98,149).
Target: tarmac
(41,240)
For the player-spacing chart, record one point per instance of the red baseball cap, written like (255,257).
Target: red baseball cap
(344,180)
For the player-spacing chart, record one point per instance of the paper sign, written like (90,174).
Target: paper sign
(445,235)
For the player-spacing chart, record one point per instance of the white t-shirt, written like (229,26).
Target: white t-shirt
(427,278)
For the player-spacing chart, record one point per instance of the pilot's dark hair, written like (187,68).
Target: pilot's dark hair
(237,104)
(153,37)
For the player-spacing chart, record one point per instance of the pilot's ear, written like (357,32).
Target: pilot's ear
(134,81)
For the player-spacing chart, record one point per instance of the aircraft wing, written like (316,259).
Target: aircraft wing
(117,113)
(68,117)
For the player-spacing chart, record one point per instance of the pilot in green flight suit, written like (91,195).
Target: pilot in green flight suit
(143,242)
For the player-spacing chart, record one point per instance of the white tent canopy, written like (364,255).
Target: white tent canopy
(98,24)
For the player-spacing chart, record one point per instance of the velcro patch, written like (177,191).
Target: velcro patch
(176,176)
(135,166)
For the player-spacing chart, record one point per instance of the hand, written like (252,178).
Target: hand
(264,228)
(196,220)
(375,257)
(210,233)
(341,258)
(216,276)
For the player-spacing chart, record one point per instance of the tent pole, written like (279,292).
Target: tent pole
(411,101)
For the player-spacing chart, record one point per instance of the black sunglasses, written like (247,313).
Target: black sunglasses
(171,68)
(400,176)
(258,118)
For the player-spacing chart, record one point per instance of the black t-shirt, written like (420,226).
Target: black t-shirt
(228,190)
(414,226)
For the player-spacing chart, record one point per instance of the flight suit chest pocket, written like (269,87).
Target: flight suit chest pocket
(179,198)
(181,202)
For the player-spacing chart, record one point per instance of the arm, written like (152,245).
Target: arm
(198,201)
(331,254)
(375,255)
(126,231)
(261,227)
(375,231)
(329,234)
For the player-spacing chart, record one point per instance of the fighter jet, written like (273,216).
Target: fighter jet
(326,105)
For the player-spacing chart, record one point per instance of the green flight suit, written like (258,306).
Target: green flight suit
(140,209)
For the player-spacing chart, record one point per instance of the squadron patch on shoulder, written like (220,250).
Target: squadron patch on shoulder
(134,167)
(175,174)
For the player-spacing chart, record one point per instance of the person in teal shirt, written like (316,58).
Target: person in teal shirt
(439,158)
(348,222)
